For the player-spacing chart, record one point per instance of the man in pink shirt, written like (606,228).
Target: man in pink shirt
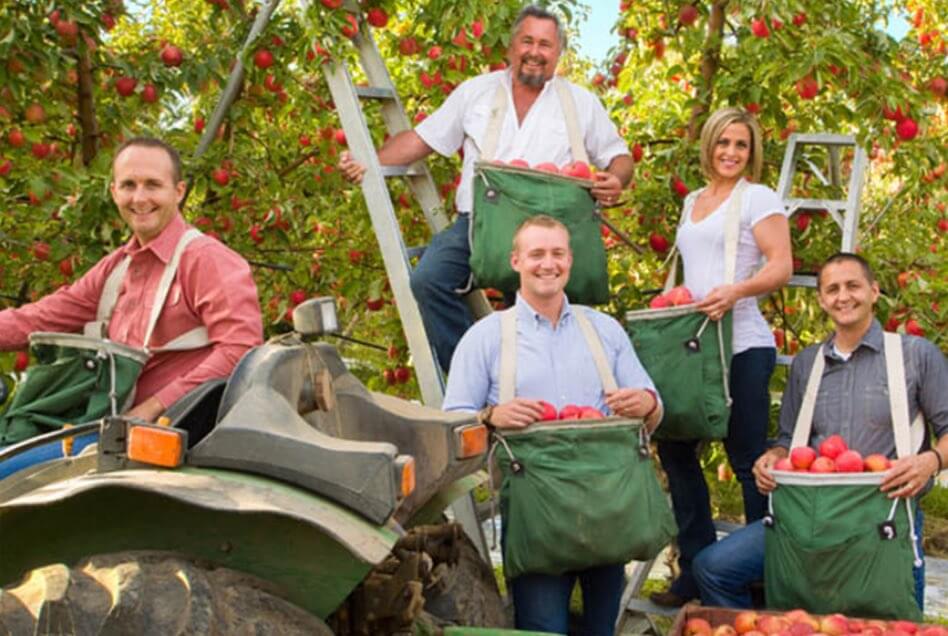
(213,287)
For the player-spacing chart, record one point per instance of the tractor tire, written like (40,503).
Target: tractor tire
(466,593)
(148,593)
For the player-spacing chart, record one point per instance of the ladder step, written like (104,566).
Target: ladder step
(374,92)
(401,171)
(823,139)
(803,280)
(815,204)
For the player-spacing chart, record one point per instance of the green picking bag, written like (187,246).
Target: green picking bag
(504,197)
(838,544)
(688,358)
(78,379)
(579,494)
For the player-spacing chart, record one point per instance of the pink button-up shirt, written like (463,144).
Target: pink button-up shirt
(213,287)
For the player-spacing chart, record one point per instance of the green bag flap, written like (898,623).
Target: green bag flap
(825,553)
(585,497)
(504,197)
(692,380)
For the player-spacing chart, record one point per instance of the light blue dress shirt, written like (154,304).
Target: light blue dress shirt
(553,364)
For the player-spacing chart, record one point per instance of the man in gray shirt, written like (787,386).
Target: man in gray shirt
(853,401)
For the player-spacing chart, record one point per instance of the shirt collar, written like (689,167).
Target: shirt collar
(871,339)
(164,244)
(525,310)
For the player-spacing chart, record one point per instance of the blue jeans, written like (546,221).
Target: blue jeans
(725,570)
(541,601)
(443,269)
(44,453)
(745,442)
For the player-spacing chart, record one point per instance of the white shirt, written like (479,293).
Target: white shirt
(541,137)
(702,252)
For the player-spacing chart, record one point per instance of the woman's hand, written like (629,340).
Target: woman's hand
(719,301)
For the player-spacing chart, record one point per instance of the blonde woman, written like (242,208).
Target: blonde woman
(731,159)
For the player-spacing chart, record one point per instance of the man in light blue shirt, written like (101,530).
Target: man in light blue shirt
(554,364)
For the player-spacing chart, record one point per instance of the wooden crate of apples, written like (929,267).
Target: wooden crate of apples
(694,620)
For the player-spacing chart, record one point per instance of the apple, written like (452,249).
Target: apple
(297,296)
(375,304)
(807,87)
(5,167)
(221,176)
(823,465)
(934,630)
(776,24)
(745,621)
(784,463)
(271,83)
(519,163)
(351,27)
(67,30)
(108,21)
(402,374)
(832,446)
(637,153)
(803,221)
(759,28)
(697,627)
(256,233)
(752,107)
(199,125)
(125,86)
(658,242)
(263,59)
(876,463)
(906,129)
(41,250)
(906,627)
(680,295)
(938,86)
(340,137)
(35,113)
(570,412)
(40,150)
(434,53)
(724,630)
(578,169)
(687,14)
(590,413)
(834,625)
(679,187)
(21,361)
(849,461)
(770,624)
(355,257)
(549,411)
(389,376)
(912,328)
(546,166)
(799,19)
(408,46)
(376,17)
(477,29)
(660,302)
(894,115)
(800,629)
(802,457)
(331,4)
(149,94)
(16,138)
(171,55)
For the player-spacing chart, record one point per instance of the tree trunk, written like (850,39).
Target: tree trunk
(709,66)
(88,125)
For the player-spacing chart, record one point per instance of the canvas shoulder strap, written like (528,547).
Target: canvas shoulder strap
(193,339)
(508,354)
(99,328)
(498,110)
(804,423)
(594,342)
(568,106)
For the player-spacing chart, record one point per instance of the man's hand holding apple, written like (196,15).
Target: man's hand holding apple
(517,413)
(762,467)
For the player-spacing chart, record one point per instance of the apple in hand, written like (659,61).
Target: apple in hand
(570,412)
(590,413)
(679,296)
(783,463)
(549,411)
(802,457)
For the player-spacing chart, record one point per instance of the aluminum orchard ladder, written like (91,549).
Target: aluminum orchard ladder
(395,255)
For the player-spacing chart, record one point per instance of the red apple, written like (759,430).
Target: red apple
(402,374)
(263,59)
(799,19)
(834,625)
(658,242)
(832,446)
(171,55)
(637,153)
(803,221)
(912,328)
(800,629)
(376,17)
(41,250)
(578,169)
(938,86)
(549,411)
(331,4)
(745,621)
(823,465)
(590,413)
(125,86)
(724,630)
(352,26)
(876,463)
(375,304)
(40,150)
(680,188)
(547,167)
(35,113)
(355,257)
(389,376)
(340,137)
(5,167)
(849,461)
(687,14)
(697,627)
(297,296)
(906,627)
(807,87)
(519,163)
(477,29)
(256,233)
(894,115)
(802,457)
(660,302)
(21,361)
(108,21)
(149,94)
(67,30)
(221,176)
(759,28)
(199,125)
(783,463)
(16,138)
(752,107)
(434,53)
(802,616)
(408,46)
(570,412)
(271,83)
(680,295)
(906,129)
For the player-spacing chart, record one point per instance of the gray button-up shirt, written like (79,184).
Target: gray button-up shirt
(853,399)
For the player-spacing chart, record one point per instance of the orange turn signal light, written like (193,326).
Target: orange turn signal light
(156,446)
(472,441)
(67,442)
(407,465)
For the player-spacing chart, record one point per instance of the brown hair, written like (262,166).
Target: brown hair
(539,220)
(843,257)
(714,128)
(151,142)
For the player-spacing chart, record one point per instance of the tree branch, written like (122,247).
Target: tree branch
(89,127)
(709,65)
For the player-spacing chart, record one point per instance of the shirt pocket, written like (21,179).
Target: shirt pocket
(476,120)
(875,409)
(829,408)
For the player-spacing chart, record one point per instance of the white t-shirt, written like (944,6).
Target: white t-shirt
(542,136)
(702,251)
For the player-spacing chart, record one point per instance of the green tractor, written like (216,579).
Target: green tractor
(286,499)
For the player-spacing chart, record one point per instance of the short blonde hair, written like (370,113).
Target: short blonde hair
(539,220)
(714,128)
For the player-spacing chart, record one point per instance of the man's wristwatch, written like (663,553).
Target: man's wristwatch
(483,416)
